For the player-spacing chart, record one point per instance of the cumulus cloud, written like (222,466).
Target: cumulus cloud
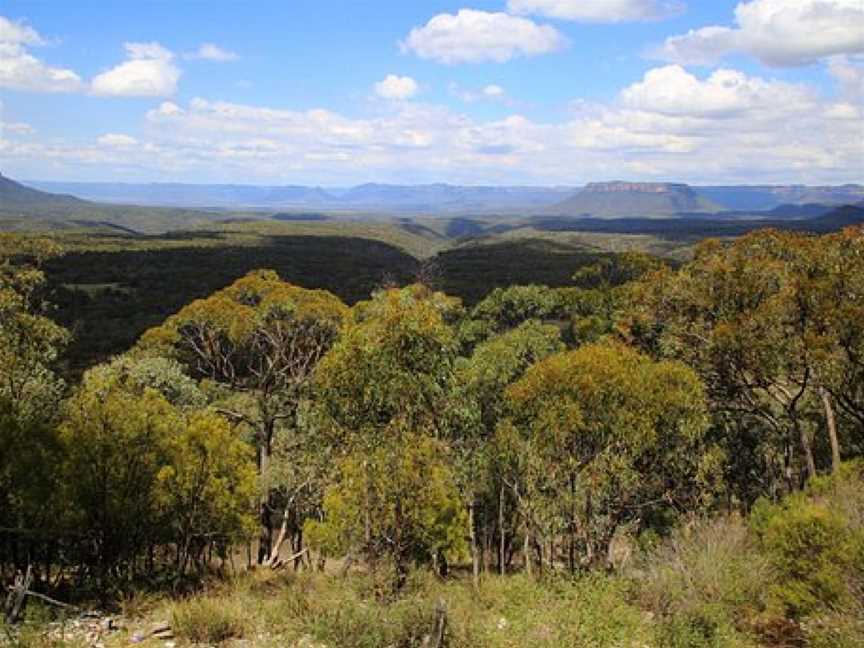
(117,140)
(472,36)
(20,70)
(396,87)
(671,90)
(726,126)
(777,32)
(149,72)
(600,11)
(18,32)
(722,127)
(211,52)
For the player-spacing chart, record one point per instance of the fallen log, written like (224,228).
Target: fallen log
(16,599)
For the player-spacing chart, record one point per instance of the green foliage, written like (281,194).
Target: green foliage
(393,368)
(616,270)
(30,391)
(815,542)
(397,500)
(771,322)
(501,360)
(208,484)
(506,308)
(137,471)
(389,400)
(114,445)
(610,428)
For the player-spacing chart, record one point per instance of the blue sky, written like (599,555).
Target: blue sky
(525,91)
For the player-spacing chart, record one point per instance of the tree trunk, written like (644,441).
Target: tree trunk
(502,537)
(571,552)
(831,424)
(475,556)
(398,556)
(788,452)
(807,448)
(526,549)
(265,537)
(280,539)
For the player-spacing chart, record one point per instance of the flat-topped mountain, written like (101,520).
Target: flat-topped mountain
(640,187)
(633,200)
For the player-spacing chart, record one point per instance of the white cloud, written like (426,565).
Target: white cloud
(20,70)
(211,52)
(490,92)
(396,87)
(15,128)
(849,74)
(724,127)
(671,90)
(472,36)
(149,72)
(777,32)
(117,140)
(18,32)
(601,11)
(165,109)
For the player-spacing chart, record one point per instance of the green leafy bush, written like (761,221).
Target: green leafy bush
(815,542)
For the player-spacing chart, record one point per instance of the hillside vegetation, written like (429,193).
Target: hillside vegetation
(643,453)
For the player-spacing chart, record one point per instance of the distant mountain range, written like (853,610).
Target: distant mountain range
(627,207)
(599,200)
(431,198)
(14,195)
(25,208)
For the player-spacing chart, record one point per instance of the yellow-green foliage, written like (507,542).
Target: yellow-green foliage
(208,483)
(601,432)
(809,547)
(402,494)
(393,367)
(815,543)
(137,470)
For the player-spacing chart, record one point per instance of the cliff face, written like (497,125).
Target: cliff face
(637,187)
(633,200)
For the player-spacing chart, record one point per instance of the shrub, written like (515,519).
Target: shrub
(209,620)
(703,583)
(815,542)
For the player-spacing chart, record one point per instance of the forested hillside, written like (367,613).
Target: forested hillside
(640,453)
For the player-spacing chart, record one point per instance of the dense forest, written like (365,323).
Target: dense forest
(645,454)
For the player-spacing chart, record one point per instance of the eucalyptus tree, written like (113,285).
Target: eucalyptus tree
(771,323)
(494,365)
(602,436)
(139,472)
(30,390)
(258,341)
(388,395)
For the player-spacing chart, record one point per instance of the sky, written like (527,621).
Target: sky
(528,92)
